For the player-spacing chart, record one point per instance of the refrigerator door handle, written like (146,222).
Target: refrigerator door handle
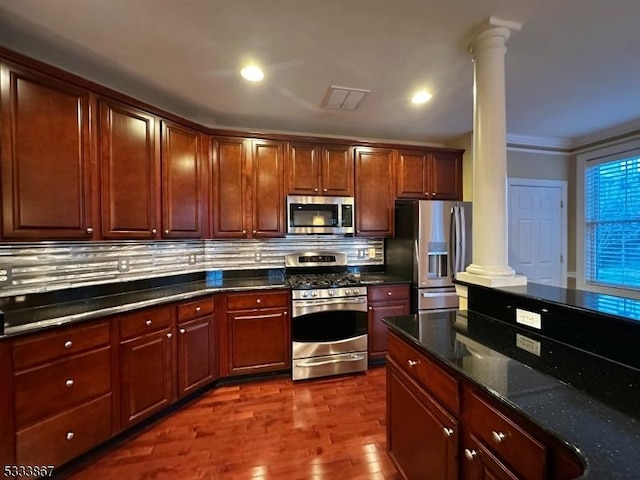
(463,240)
(453,261)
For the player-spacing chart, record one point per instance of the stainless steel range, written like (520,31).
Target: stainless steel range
(328,316)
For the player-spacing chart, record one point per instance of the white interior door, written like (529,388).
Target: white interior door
(537,230)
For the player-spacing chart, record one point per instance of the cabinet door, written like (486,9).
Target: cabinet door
(445,176)
(378,330)
(303,169)
(130,172)
(267,161)
(195,342)
(182,188)
(422,438)
(146,375)
(411,176)
(229,190)
(374,191)
(481,464)
(337,170)
(259,340)
(45,167)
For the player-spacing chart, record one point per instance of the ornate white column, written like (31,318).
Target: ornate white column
(490,228)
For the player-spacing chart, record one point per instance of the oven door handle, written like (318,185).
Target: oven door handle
(353,358)
(337,301)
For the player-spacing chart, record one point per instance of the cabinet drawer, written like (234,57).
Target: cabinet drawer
(54,387)
(246,301)
(388,293)
(196,308)
(65,436)
(144,321)
(433,378)
(511,443)
(52,346)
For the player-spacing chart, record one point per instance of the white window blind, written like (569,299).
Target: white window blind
(612,223)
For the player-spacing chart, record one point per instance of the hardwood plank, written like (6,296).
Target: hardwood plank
(269,429)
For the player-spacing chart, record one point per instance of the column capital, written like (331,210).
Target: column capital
(493,32)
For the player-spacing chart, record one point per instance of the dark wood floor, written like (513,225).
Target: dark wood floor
(325,429)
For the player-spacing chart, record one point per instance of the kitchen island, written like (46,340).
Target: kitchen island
(574,411)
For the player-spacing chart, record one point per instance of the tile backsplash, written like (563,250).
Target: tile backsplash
(47,266)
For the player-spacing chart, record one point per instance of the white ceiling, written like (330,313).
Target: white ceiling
(572,71)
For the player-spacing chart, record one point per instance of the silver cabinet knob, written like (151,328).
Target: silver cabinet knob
(69,383)
(254,232)
(244,232)
(412,363)
(285,313)
(389,293)
(497,437)
(426,194)
(258,301)
(68,344)
(89,230)
(315,189)
(183,331)
(371,309)
(148,323)
(198,309)
(70,435)
(470,454)
(447,431)
(324,189)
(169,335)
(166,232)
(154,231)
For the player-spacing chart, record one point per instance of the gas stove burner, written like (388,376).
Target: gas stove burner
(326,280)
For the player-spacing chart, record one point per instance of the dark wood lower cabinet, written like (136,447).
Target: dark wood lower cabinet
(195,345)
(384,301)
(146,375)
(422,437)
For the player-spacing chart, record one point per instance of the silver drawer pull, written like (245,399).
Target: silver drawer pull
(198,309)
(69,383)
(447,431)
(352,358)
(412,363)
(169,335)
(68,344)
(497,437)
(70,435)
(470,454)
(183,331)
(148,323)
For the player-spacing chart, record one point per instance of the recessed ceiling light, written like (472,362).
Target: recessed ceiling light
(421,97)
(253,73)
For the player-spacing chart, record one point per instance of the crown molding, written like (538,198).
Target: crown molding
(533,142)
(619,132)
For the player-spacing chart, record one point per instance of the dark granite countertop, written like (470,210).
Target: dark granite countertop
(589,402)
(26,314)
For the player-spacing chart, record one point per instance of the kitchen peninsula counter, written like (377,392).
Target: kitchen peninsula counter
(590,403)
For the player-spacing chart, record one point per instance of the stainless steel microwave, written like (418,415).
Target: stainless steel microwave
(320,215)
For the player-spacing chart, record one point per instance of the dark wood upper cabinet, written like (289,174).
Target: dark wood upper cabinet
(267,161)
(46,164)
(130,172)
(229,184)
(182,181)
(374,196)
(314,169)
(429,175)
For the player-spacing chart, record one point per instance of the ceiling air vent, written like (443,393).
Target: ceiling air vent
(343,98)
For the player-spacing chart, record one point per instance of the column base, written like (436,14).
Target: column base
(463,294)
(487,281)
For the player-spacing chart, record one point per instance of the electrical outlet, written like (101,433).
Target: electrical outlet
(372,253)
(192,259)
(528,344)
(123,264)
(258,257)
(5,274)
(530,319)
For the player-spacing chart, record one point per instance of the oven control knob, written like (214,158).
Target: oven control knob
(355,291)
(314,294)
(305,294)
(332,293)
(347,292)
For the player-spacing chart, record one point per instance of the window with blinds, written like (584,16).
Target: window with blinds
(612,223)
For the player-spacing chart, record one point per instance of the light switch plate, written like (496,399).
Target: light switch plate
(530,319)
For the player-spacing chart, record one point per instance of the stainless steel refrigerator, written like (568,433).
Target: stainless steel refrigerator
(432,242)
